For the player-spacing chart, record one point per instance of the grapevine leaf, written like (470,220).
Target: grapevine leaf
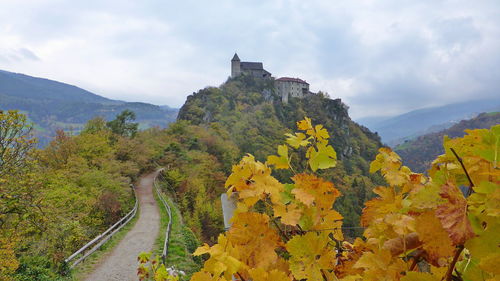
(297,140)
(281,161)
(251,233)
(380,266)
(389,164)
(420,276)
(309,189)
(205,276)
(402,244)
(426,198)
(388,202)
(286,195)
(303,196)
(259,274)
(481,246)
(323,158)
(453,214)
(490,264)
(223,258)
(290,214)
(321,133)
(436,241)
(253,182)
(305,124)
(306,262)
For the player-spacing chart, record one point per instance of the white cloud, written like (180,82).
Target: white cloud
(389,55)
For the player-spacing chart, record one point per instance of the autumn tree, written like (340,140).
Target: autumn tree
(16,140)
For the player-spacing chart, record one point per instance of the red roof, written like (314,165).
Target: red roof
(288,79)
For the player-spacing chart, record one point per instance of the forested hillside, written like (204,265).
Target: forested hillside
(418,153)
(249,114)
(53,105)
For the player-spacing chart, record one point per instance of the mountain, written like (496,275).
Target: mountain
(397,129)
(249,112)
(53,105)
(421,151)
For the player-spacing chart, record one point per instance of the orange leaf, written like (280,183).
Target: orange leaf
(453,214)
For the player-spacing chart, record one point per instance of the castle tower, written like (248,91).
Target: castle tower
(235,66)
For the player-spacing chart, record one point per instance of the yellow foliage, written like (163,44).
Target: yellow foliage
(292,232)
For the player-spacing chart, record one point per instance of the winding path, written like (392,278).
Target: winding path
(121,262)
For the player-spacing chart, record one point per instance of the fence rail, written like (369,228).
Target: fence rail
(102,238)
(169,226)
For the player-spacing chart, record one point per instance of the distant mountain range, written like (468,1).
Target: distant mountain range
(421,151)
(53,105)
(396,130)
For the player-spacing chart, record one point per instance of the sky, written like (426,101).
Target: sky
(382,58)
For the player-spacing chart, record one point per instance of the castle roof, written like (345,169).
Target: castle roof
(251,65)
(288,79)
(235,57)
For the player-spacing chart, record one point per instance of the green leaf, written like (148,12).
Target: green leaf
(323,158)
(287,196)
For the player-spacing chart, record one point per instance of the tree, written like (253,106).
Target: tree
(16,140)
(122,125)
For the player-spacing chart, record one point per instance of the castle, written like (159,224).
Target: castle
(285,86)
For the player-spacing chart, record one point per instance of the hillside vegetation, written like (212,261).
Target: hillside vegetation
(55,200)
(248,113)
(417,228)
(418,153)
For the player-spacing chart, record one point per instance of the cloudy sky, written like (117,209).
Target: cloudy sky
(381,57)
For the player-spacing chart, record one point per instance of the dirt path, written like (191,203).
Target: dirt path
(121,262)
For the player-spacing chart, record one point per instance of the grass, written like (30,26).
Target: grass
(182,242)
(85,267)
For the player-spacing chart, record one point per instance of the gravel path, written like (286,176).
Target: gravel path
(121,262)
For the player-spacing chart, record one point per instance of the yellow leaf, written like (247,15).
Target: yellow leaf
(380,265)
(255,239)
(388,202)
(297,140)
(253,182)
(259,274)
(389,163)
(223,258)
(305,124)
(420,276)
(310,187)
(290,214)
(306,262)
(281,161)
(436,241)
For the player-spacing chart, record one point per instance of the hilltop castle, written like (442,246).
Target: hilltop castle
(255,69)
(285,86)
